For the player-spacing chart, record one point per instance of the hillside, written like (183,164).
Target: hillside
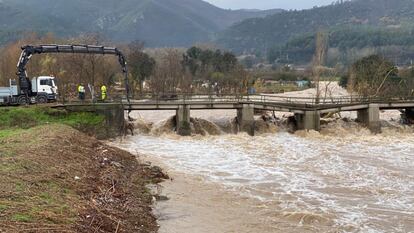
(262,34)
(158,22)
(348,44)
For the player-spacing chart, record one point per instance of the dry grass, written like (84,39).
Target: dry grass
(56,179)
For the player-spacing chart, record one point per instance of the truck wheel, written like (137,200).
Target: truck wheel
(22,100)
(41,99)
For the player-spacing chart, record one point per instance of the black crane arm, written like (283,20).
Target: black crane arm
(29,50)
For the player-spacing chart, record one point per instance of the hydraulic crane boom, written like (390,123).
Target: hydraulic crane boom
(29,50)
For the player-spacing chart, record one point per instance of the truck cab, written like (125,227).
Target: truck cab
(44,89)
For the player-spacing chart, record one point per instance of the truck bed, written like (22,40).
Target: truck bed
(5,92)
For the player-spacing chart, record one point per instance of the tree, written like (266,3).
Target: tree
(214,66)
(343,82)
(170,76)
(94,70)
(249,61)
(191,60)
(374,76)
(141,64)
(318,61)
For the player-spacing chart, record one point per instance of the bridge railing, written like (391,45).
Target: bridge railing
(184,98)
(339,100)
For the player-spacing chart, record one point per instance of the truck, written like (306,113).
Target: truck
(42,90)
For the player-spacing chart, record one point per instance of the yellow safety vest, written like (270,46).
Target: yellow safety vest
(103,92)
(81,89)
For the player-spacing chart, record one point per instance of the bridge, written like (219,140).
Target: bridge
(307,111)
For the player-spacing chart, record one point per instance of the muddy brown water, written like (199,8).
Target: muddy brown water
(339,180)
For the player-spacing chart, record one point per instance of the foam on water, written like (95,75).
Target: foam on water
(356,183)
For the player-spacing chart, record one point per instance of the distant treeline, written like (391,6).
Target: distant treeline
(346,45)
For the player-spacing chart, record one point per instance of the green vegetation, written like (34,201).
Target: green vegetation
(216,67)
(279,88)
(53,179)
(203,62)
(195,70)
(9,132)
(35,196)
(3,208)
(375,25)
(22,218)
(282,75)
(280,81)
(14,119)
(141,65)
(348,44)
(375,76)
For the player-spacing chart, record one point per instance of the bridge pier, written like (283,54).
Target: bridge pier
(182,118)
(407,116)
(310,120)
(245,119)
(370,117)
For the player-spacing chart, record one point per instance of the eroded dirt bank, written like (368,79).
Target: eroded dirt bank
(56,179)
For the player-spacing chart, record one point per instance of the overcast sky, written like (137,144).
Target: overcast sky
(269,4)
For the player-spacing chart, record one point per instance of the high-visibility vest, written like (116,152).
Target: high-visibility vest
(81,89)
(103,89)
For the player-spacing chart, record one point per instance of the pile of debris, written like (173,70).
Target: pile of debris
(56,179)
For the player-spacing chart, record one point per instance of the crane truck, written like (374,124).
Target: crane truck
(43,89)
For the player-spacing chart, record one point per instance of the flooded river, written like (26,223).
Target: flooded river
(308,182)
(343,179)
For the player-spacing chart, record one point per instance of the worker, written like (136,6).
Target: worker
(103,93)
(81,92)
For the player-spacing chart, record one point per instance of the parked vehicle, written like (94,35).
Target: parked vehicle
(42,90)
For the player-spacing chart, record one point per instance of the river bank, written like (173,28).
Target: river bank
(55,178)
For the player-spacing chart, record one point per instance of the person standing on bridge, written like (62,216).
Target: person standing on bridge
(103,93)
(81,92)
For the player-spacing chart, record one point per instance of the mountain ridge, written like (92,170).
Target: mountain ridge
(260,34)
(157,22)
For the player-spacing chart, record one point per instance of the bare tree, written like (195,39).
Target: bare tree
(318,60)
(170,76)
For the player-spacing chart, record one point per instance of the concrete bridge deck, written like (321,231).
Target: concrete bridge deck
(307,110)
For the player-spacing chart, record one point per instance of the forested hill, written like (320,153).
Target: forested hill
(266,33)
(158,22)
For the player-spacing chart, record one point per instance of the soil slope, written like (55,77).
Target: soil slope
(55,179)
